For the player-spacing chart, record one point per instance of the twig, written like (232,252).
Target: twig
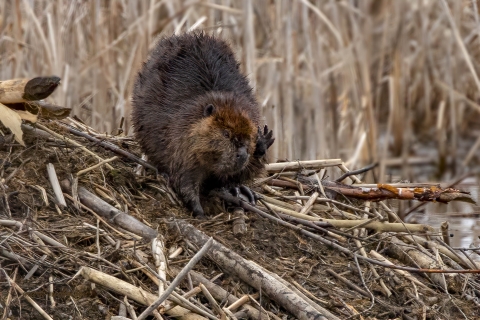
(355,172)
(212,301)
(72,142)
(177,279)
(79,173)
(110,147)
(295,165)
(30,300)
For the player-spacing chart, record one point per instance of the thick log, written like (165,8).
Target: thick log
(21,90)
(252,274)
(110,213)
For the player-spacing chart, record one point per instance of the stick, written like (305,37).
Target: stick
(79,173)
(109,146)
(222,295)
(177,279)
(295,165)
(355,172)
(52,176)
(212,301)
(30,300)
(132,292)
(72,142)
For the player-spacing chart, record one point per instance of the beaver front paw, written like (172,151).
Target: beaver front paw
(244,191)
(264,141)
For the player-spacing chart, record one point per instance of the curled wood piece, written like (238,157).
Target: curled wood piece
(252,274)
(110,213)
(158,253)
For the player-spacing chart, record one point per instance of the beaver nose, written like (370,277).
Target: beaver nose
(242,155)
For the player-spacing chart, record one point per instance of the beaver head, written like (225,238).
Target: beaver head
(225,136)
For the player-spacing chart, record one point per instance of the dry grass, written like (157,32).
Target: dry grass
(361,80)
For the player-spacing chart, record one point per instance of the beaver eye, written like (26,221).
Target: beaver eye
(226,134)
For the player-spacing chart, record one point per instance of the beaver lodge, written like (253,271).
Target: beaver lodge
(88,230)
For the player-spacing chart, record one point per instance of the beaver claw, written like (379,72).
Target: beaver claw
(264,141)
(245,191)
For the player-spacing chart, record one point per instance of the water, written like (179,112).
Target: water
(463,218)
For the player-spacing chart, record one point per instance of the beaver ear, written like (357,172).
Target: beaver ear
(209,110)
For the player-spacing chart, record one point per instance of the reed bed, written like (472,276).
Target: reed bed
(365,81)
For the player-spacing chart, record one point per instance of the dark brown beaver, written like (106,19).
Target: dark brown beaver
(196,117)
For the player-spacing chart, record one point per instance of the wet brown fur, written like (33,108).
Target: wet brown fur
(195,116)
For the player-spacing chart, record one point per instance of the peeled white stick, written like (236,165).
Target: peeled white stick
(52,176)
(308,164)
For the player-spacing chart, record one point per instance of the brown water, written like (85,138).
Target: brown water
(463,218)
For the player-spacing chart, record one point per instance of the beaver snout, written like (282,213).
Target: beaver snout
(242,156)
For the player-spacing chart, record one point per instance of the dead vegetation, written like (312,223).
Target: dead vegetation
(85,234)
(388,81)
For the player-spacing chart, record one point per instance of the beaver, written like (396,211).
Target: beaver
(196,117)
